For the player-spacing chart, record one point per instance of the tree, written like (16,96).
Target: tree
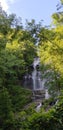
(33,29)
(6,113)
(15,22)
(58,16)
(51,53)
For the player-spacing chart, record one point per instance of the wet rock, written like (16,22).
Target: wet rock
(39,94)
(38,67)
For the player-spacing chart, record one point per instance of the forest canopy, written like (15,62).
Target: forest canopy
(19,46)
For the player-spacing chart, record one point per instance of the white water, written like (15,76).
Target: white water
(35,81)
(46,94)
(38,107)
(36,76)
(38,82)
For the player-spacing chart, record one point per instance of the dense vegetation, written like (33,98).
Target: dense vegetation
(17,51)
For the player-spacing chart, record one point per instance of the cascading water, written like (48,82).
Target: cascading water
(36,76)
(38,82)
(46,94)
(38,107)
(34,80)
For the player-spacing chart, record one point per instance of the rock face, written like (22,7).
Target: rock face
(38,94)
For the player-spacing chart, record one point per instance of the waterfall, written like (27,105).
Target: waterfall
(46,94)
(36,76)
(35,82)
(38,107)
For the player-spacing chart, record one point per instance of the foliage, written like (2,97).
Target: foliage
(33,29)
(58,16)
(6,113)
(20,97)
(17,52)
(50,120)
(51,53)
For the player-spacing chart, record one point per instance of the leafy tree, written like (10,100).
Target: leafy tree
(6,113)
(48,120)
(15,22)
(4,25)
(51,53)
(58,16)
(33,29)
